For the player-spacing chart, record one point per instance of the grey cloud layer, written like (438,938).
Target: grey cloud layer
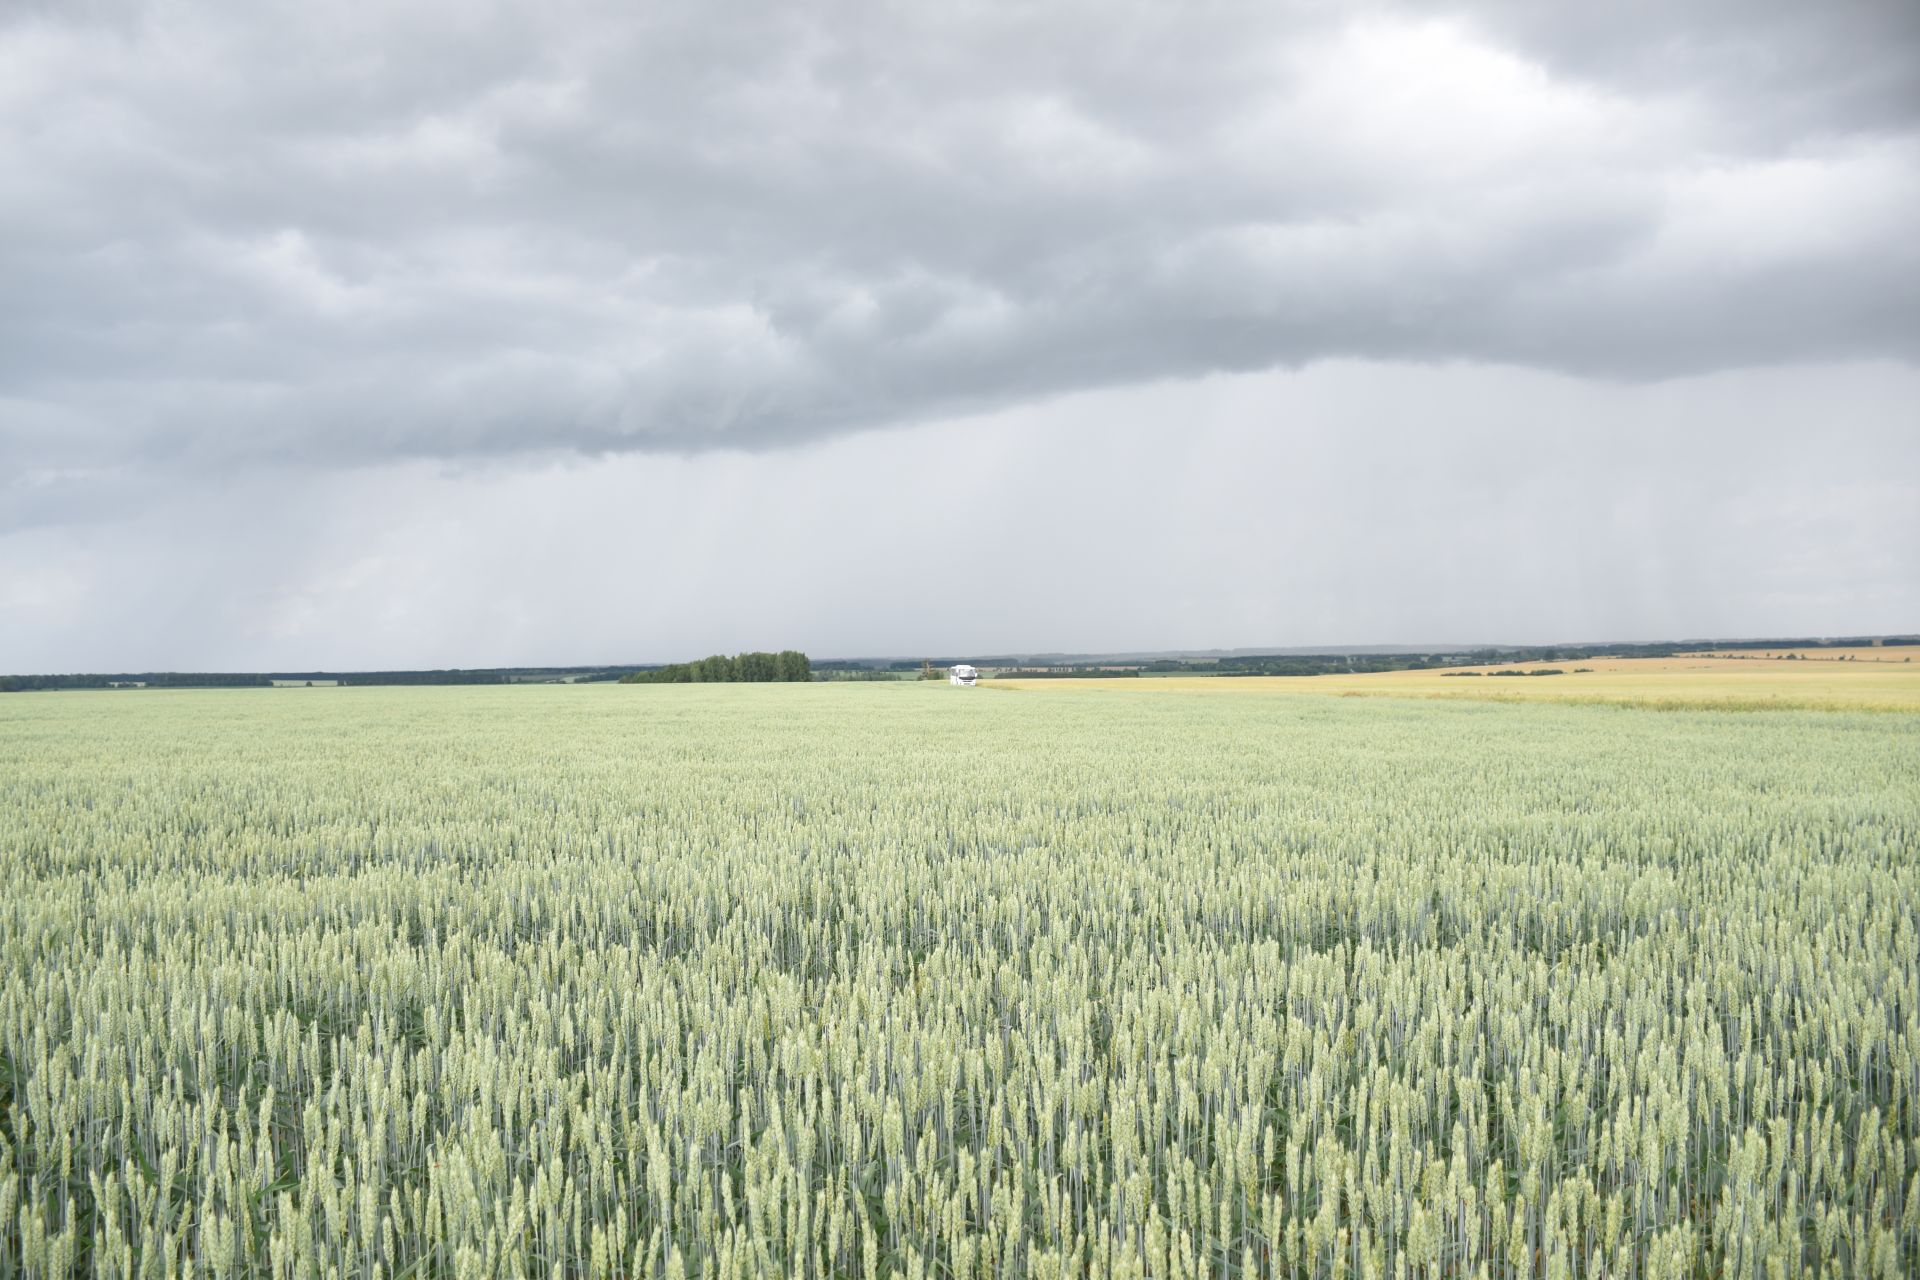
(1352,502)
(293,233)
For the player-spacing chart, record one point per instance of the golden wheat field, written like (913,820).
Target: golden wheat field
(1891,653)
(1887,683)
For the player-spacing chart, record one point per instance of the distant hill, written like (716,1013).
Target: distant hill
(1282,660)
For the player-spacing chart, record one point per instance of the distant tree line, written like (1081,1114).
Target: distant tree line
(260,680)
(742,668)
(1292,664)
(151,679)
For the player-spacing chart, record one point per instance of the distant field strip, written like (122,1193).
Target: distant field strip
(1890,683)
(1821,653)
(900,979)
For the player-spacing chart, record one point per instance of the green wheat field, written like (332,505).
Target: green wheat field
(876,980)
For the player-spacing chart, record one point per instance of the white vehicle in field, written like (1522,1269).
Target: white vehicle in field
(961,673)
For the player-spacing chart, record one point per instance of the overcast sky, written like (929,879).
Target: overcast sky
(448,332)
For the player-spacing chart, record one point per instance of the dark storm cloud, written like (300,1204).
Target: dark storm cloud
(1793,69)
(308,235)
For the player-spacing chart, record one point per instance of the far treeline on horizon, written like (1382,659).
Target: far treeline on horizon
(792,665)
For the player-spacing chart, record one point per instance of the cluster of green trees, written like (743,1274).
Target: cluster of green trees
(788,665)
